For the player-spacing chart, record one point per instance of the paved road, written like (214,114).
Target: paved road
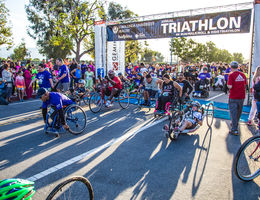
(125,155)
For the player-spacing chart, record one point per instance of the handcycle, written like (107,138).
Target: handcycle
(179,116)
(75,117)
(98,99)
(246,164)
(77,187)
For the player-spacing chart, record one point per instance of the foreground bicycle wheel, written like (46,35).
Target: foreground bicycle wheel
(175,116)
(247,161)
(95,102)
(73,188)
(76,119)
(210,114)
(124,99)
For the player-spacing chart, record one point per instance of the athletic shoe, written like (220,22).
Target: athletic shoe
(108,103)
(199,95)
(234,132)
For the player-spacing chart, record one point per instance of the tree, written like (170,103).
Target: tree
(5,30)
(238,57)
(20,52)
(61,26)
(133,49)
(150,56)
(222,55)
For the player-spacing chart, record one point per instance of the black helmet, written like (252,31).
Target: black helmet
(41,92)
(234,64)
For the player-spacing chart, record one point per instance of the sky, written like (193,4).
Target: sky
(231,42)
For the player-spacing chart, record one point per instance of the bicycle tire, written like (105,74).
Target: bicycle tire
(76,107)
(140,101)
(94,98)
(210,111)
(121,103)
(67,181)
(239,155)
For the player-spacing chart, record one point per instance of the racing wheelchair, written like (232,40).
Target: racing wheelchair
(203,89)
(207,112)
(75,118)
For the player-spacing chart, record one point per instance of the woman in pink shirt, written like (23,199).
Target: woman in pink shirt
(28,77)
(20,85)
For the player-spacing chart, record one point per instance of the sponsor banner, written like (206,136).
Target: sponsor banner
(206,24)
(116,56)
(100,49)
(256,52)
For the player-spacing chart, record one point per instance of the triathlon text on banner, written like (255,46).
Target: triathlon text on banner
(116,56)
(206,24)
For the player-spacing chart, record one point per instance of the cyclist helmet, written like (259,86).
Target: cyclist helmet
(119,74)
(41,92)
(82,81)
(111,72)
(205,69)
(196,103)
(234,64)
(139,74)
(16,189)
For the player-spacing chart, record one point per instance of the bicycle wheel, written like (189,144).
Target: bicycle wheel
(95,102)
(210,114)
(77,187)
(76,119)
(123,99)
(246,164)
(140,100)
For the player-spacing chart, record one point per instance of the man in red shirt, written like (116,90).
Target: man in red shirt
(236,83)
(114,86)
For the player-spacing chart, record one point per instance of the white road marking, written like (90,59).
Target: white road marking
(36,100)
(215,97)
(94,151)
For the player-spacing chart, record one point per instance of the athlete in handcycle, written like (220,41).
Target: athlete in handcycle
(110,87)
(63,112)
(170,89)
(202,86)
(189,120)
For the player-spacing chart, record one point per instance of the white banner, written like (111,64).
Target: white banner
(256,52)
(100,48)
(116,56)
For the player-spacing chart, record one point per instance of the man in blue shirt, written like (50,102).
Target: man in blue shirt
(226,73)
(203,78)
(44,78)
(63,76)
(57,100)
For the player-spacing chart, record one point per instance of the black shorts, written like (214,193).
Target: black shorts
(107,92)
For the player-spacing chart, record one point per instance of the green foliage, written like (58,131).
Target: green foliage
(238,57)
(20,52)
(5,30)
(133,49)
(60,26)
(190,51)
(150,56)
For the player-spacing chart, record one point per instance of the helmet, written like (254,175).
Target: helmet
(17,189)
(82,81)
(205,69)
(41,92)
(196,103)
(119,74)
(111,72)
(139,74)
(234,64)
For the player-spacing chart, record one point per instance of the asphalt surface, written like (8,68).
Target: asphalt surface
(125,155)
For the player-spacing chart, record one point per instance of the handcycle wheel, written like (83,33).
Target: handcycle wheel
(76,119)
(246,164)
(140,100)
(124,99)
(210,114)
(175,116)
(95,102)
(86,99)
(77,187)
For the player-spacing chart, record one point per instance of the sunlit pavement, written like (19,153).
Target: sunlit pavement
(125,155)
